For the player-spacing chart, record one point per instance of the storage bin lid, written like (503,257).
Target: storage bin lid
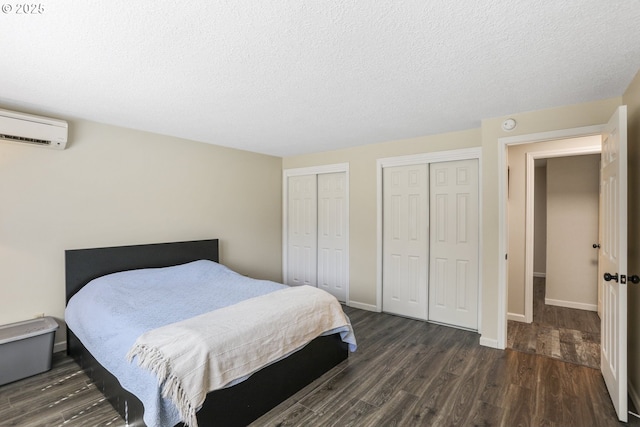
(27,329)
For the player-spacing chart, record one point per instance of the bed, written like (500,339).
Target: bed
(235,405)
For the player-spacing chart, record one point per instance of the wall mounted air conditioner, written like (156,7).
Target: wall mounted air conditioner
(34,130)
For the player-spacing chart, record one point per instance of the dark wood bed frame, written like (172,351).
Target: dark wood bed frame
(233,406)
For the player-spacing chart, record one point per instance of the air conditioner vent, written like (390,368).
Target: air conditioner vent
(24,139)
(38,131)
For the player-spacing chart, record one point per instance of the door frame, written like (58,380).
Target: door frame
(503,223)
(412,159)
(531,157)
(311,170)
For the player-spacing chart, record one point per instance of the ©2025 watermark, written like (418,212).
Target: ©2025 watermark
(23,8)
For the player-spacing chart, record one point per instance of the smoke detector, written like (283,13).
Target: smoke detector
(509,125)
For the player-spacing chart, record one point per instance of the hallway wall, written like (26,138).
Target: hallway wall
(573,185)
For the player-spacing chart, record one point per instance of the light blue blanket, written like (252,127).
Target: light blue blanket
(111,312)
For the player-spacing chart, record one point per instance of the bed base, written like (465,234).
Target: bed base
(233,406)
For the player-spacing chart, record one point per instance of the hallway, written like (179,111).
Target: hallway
(566,334)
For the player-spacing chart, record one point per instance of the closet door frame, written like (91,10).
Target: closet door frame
(312,170)
(413,159)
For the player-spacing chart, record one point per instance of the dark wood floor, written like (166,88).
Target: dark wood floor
(405,373)
(563,333)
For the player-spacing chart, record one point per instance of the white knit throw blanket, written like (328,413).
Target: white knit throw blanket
(205,353)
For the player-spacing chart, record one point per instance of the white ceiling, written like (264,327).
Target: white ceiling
(286,77)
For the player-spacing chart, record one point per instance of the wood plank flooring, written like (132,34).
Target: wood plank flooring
(405,373)
(63,396)
(563,333)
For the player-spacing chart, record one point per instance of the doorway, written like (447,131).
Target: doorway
(612,256)
(562,210)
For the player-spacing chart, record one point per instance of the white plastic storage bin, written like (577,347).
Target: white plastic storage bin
(26,348)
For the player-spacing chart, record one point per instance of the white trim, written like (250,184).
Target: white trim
(536,274)
(489,342)
(531,157)
(313,170)
(528,236)
(60,346)
(503,233)
(517,317)
(480,240)
(379,229)
(552,135)
(437,156)
(413,159)
(363,306)
(571,304)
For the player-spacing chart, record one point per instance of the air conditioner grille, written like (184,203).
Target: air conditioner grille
(22,139)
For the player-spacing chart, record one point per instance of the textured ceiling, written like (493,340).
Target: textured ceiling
(286,77)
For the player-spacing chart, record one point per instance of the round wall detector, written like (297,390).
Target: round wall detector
(509,125)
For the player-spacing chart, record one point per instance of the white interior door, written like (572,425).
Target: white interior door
(405,240)
(454,257)
(613,259)
(302,230)
(332,234)
(599,242)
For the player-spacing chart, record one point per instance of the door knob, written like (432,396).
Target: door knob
(596,245)
(634,279)
(608,277)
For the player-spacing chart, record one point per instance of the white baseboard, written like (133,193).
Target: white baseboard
(517,317)
(571,304)
(362,306)
(60,346)
(539,274)
(488,342)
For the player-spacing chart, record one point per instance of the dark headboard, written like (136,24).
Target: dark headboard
(84,265)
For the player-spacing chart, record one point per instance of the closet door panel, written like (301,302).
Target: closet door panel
(332,234)
(405,240)
(454,244)
(302,233)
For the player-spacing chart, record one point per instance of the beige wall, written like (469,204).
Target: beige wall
(363,197)
(572,116)
(363,221)
(632,99)
(114,186)
(573,187)
(540,221)
(516,158)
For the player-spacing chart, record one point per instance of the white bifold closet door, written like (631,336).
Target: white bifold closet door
(405,240)
(302,245)
(431,242)
(317,232)
(453,265)
(332,234)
